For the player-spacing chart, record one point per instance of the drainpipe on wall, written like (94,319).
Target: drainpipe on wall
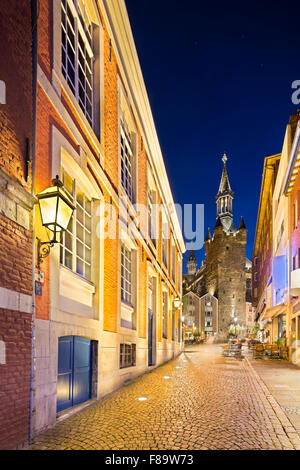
(34,29)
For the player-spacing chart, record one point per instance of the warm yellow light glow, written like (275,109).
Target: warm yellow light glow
(56,207)
(48,211)
(64,213)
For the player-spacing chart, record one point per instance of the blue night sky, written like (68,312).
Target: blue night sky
(218,76)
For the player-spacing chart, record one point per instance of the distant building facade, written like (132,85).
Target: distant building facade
(276,253)
(200,314)
(225,275)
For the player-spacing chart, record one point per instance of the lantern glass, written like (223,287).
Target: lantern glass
(56,208)
(64,214)
(176,303)
(48,208)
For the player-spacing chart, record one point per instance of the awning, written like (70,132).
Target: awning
(273,311)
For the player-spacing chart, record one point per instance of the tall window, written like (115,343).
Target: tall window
(126,161)
(179,274)
(77,53)
(126,275)
(173,324)
(165,314)
(173,255)
(179,328)
(151,217)
(76,242)
(165,241)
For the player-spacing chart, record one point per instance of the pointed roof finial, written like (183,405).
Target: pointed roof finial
(224,184)
(242,224)
(208,236)
(218,223)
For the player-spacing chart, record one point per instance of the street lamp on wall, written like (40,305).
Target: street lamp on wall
(176,302)
(56,211)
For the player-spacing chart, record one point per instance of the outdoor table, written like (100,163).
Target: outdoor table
(232,349)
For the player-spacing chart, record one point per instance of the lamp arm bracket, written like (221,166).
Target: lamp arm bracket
(43,250)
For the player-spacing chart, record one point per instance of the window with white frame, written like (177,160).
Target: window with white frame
(173,324)
(165,314)
(126,275)
(151,216)
(127,355)
(77,53)
(126,160)
(165,240)
(173,256)
(179,274)
(76,241)
(179,327)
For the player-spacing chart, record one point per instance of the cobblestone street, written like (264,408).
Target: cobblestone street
(198,401)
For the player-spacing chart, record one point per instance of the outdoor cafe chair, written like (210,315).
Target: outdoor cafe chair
(268,349)
(275,351)
(258,350)
(283,352)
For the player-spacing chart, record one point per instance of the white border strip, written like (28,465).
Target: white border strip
(12,300)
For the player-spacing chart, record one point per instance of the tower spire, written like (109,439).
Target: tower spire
(224,198)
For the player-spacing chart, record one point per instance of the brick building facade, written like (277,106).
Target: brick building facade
(97,308)
(107,297)
(16,202)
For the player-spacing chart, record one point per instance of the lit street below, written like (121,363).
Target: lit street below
(200,400)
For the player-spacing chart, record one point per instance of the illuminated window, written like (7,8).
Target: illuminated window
(127,355)
(173,258)
(179,274)
(126,161)
(77,53)
(76,242)
(173,324)
(151,216)
(165,314)
(165,240)
(126,275)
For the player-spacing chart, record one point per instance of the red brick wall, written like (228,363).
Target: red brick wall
(15,71)
(44,36)
(15,331)
(15,241)
(15,256)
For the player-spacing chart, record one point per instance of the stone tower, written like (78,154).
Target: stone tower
(192,263)
(225,254)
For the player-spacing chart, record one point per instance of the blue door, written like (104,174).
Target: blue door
(74,371)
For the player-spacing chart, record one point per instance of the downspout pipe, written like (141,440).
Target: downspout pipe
(34,32)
